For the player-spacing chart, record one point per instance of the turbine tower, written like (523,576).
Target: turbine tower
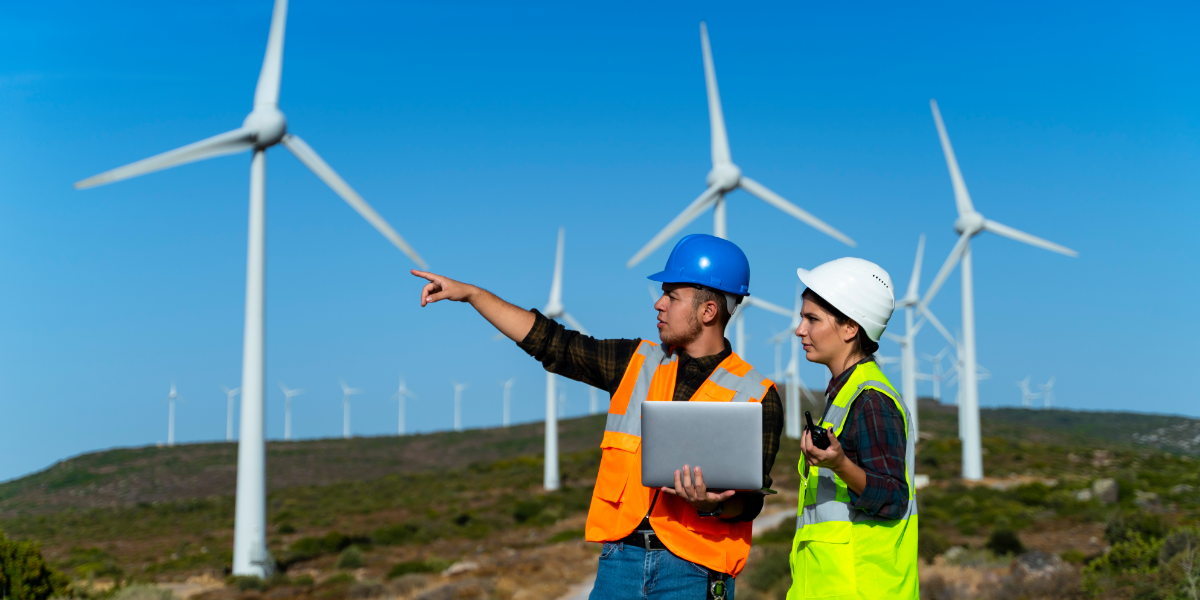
(171,398)
(264,127)
(402,394)
(347,391)
(725,177)
(555,310)
(969,224)
(230,394)
(507,385)
(458,390)
(907,342)
(287,410)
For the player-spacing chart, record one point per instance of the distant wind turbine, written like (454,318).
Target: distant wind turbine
(507,385)
(347,391)
(969,224)
(555,310)
(725,177)
(171,398)
(458,390)
(908,341)
(402,394)
(264,127)
(287,410)
(1047,393)
(230,394)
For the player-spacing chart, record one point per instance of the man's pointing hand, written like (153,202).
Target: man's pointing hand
(443,288)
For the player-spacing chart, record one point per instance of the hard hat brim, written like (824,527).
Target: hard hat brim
(665,277)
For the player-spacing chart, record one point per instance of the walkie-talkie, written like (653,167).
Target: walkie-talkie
(818,433)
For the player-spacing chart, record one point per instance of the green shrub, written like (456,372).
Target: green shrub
(429,565)
(1178,541)
(24,574)
(771,569)
(394,535)
(566,536)
(1073,556)
(287,528)
(931,544)
(528,509)
(1134,557)
(247,582)
(350,558)
(339,579)
(1032,494)
(141,591)
(1127,526)
(1004,542)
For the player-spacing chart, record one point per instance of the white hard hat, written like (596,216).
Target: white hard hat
(857,287)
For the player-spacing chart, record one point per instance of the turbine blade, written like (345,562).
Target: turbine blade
(267,91)
(556,284)
(914,282)
(229,142)
(942,330)
(573,323)
(317,165)
(770,306)
(777,201)
(962,199)
(679,222)
(895,338)
(1021,236)
(716,118)
(955,255)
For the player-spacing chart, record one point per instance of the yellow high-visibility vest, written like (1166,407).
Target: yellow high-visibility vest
(840,552)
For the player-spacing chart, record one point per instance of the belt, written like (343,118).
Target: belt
(647,540)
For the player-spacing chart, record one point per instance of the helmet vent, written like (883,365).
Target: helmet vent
(881,281)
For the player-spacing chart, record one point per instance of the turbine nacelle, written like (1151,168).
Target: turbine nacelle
(267,124)
(553,310)
(971,222)
(725,177)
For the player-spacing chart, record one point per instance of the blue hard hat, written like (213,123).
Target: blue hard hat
(709,261)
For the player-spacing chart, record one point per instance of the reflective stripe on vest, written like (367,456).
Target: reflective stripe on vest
(840,551)
(619,501)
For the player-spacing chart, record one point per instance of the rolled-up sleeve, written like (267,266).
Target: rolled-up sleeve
(566,352)
(876,441)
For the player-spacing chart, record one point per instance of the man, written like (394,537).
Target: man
(681,542)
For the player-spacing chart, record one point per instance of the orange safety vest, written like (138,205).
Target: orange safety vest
(619,501)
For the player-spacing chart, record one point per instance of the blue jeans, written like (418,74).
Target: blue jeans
(629,572)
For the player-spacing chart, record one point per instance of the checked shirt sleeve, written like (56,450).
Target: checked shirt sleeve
(566,352)
(876,440)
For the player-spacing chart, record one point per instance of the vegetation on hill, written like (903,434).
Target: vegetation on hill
(404,508)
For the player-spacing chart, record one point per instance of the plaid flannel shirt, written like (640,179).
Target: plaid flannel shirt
(875,439)
(602,364)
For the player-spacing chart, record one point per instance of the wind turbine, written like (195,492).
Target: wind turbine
(938,376)
(507,385)
(347,391)
(229,411)
(264,127)
(908,346)
(725,177)
(969,224)
(795,385)
(1047,392)
(171,398)
(287,410)
(458,390)
(401,395)
(555,310)
(1026,396)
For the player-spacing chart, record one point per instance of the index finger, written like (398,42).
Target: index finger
(423,274)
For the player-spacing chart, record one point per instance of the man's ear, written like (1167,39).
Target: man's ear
(710,313)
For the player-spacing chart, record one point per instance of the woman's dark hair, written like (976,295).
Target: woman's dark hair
(863,345)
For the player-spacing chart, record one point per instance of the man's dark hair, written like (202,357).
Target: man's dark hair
(706,294)
(863,345)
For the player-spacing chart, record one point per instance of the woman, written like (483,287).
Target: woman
(856,535)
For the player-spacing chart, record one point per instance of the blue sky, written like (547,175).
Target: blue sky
(478,129)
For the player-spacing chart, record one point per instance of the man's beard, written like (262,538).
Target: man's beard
(692,333)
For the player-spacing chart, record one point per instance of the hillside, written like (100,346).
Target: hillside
(420,503)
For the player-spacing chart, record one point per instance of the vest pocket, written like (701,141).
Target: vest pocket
(828,569)
(616,467)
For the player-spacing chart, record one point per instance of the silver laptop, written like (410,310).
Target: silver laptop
(724,439)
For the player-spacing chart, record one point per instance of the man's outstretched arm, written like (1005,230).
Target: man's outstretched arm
(513,321)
